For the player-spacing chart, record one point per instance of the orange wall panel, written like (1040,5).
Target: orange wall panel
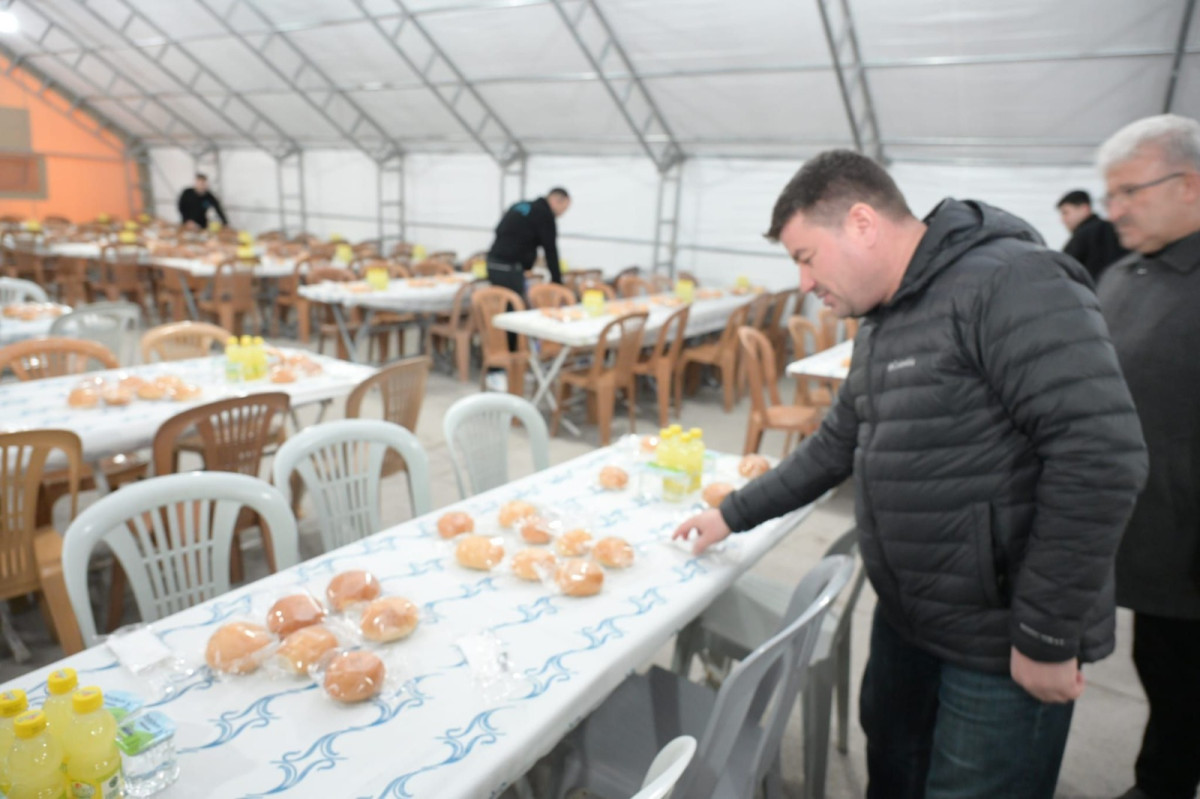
(85,176)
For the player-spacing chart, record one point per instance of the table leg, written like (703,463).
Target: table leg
(189,300)
(364,334)
(339,316)
(545,380)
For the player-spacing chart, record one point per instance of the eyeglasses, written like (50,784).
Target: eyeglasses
(1126,193)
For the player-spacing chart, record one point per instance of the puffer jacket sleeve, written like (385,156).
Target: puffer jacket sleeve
(822,462)
(1044,349)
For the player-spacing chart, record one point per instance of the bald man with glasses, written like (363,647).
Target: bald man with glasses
(1151,300)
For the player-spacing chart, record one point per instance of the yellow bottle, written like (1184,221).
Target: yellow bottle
(93,759)
(35,760)
(60,685)
(695,458)
(12,704)
(260,357)
(674,485)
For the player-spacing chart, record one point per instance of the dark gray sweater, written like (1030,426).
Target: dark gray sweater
(994,444)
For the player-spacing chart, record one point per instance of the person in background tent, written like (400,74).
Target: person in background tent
(195,202)
(1093,240)
(524,227)
(995,467)
(1151,170)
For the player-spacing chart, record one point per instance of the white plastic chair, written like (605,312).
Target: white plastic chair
(14,289)
(477,429)
(747,614)
(113,324)
(667,767)
(172,536)
(341,464)
(739,728)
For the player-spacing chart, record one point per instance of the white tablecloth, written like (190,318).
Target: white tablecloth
(400,295)
(14,330)
(706,316)
(267,267)
(74,249)
(831,364)
(442,734)
(105,431)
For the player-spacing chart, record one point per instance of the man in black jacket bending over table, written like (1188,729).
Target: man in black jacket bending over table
(997,456)
(195,202)
(523,228)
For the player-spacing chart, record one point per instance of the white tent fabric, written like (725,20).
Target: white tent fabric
(1001,101)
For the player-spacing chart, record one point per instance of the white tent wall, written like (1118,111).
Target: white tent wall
(453,202)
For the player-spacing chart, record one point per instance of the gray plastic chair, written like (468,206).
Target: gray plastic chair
(113,324)
(477,430)
(14,289)
(341,464)
(667,768)
(172,536)
(739,727)
(747,614)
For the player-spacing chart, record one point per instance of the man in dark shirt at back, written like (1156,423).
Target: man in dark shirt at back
(1093,240)
(195,202)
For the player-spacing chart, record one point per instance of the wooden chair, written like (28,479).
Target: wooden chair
(121,273)
(401,387)
(591,284)
(401,251)
(24,257)
(766,410)
(233,295)
(71,280)
(662,362)
(40,358)
(233,434)
(549,295)
(828,322)
(721,354)
(660,284)
(681,275)
(486,303)
(632,285)
(458,328)
(383,323)
(182,340)
(433,267)
(170,282)
(31,553)
(601,379)
(271,236)
(775,325)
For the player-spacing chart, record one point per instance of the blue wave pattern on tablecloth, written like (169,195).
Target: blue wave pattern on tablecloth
(233,723)
(461,741)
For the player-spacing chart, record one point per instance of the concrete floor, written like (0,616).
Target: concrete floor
(1108,719)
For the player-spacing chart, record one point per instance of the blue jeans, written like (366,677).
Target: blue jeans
(939,731)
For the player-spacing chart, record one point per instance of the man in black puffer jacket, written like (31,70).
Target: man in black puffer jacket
(997,456)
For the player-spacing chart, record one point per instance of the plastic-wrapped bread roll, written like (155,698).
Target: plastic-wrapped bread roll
(613,552)
(389,618)
(235,647)
(349,587)
(752,466)
(479,552)
(579,577)
(83,397)
(293,612)
(303,648)
(532,564)
(573,543)
(535,530)
(613,478)
(715,493)
(513,512)
(455,523)
(354,676)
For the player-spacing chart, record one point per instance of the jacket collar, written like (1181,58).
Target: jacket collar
(1182,255)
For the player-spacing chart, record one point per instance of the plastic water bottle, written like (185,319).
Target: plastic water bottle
(93,760)
(60,685)
(147,745)
(12,704)
(35,760)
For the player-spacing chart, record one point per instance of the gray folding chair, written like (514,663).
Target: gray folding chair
(739,727)
(113,324)
(477,429)
(748,614)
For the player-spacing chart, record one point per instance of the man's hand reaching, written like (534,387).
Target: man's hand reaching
(710,525)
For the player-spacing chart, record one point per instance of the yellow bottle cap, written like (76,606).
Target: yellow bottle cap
(696,431)
(13,703)
(258,341)
(29,724)
(87,699)
(62,681)
(676,429)
(664,432)
(245,341)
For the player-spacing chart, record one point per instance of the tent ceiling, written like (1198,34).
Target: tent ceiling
(1026,81)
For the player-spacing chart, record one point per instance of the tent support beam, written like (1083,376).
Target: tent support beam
(187,82)
(666,219)
(486,124)
(1177,60)
(512,182)
(635,103)
(842,39)
(293,211)
(390,180)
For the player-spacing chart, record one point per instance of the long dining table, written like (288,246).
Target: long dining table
(497,671)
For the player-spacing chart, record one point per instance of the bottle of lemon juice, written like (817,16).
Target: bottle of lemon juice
(35,760)
(93,759)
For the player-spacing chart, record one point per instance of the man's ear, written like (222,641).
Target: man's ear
(862,224)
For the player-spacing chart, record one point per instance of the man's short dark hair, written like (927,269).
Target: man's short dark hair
(558,191)
(201,176)
(1077,197)
(828,185)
